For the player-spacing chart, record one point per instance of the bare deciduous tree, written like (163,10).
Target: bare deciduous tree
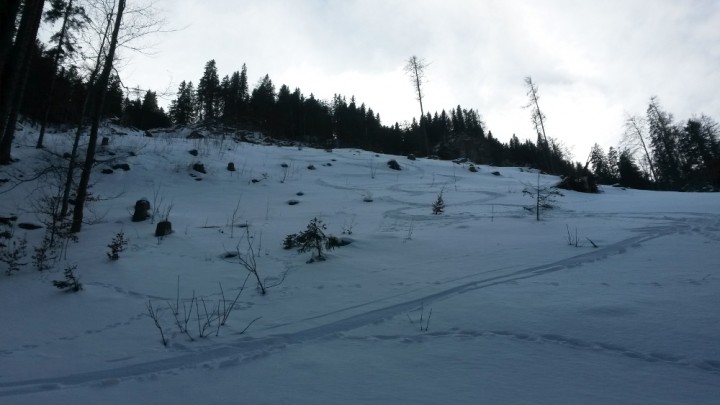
(538,119)
(100,91)
(544,196)
(415,68)
(128,25)
(634,138)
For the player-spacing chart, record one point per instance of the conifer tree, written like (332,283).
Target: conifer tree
(208,92)
(114,98)
(262,101)
(243,93)
(664,141)
(600,165)
(438,206)
(182,109)
(230,94)
(74,18)
(313,238)
(629,172)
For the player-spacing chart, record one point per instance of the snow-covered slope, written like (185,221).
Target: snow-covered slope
(511,312)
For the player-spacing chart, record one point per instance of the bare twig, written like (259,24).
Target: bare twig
(154,316)
(248,261)
(593,243)
(226,313)
(232,221)
(177,296)
(248,325)
(427,324)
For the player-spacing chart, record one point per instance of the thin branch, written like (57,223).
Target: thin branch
(152,314)
(248,325)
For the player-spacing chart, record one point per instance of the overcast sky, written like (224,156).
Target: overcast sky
(594,61)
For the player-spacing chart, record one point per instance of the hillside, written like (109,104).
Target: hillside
(511,311)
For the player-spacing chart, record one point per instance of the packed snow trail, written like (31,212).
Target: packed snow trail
(251,348)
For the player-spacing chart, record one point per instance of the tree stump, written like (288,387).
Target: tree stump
(142,208)
(163,228)
(199,167)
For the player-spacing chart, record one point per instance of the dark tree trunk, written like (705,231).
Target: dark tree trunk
(17,103)
(8,12)
(56,61)
(15,70)
(100,92)
(81,122)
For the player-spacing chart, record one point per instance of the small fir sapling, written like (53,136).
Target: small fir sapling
(290,241)
(313,238)
(117,245)
(42,255)
(438,207)
(13,251)
(544,197)
(71,282)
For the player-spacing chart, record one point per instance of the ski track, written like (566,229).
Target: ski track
(711,366)
(247,349)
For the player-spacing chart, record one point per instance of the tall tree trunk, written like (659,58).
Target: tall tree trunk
(53,79)
(81,122)
(100,92)
(539,120)
(16,69)
(8,12)
(17,103)
(417,67)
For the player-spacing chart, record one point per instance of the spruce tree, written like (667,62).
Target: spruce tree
(182,109)
(664,142)
(629,172)
(208,92)
(262,101)
(73,18)
(438,206)
(313,238)
(114,98)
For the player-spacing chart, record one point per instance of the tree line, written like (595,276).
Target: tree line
(289,114)
(64,84)
(657,152)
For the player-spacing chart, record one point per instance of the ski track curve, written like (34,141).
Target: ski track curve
(247,349)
